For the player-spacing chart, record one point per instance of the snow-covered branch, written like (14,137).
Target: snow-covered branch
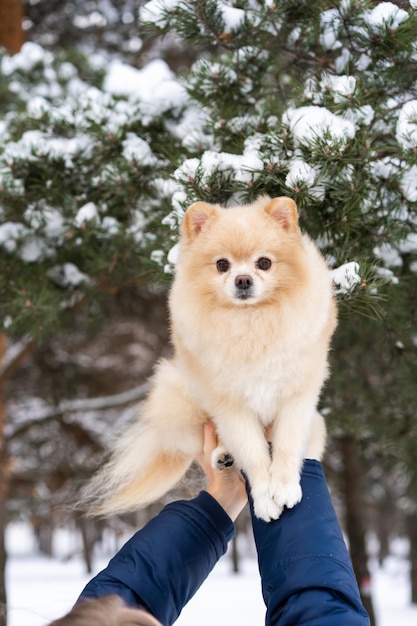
(84,405)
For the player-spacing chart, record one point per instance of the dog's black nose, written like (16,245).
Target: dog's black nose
(244,281)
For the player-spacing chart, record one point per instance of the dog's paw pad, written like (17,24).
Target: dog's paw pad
(221,459)
(226,460)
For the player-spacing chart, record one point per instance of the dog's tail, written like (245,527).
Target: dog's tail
(155,451)
(139,472)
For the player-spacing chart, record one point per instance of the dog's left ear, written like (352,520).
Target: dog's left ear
(195,218)
(284,210)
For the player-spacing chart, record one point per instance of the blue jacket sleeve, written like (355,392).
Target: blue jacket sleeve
(307,575)
(161,567)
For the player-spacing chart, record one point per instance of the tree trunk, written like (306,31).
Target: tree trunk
(43,531)
(384,525)
(235,555)
(7,368)
(3,493)
(11,31)
(411,521)
(3,523)
(88,536)
(355,526)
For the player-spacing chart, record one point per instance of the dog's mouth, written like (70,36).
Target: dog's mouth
(241,294)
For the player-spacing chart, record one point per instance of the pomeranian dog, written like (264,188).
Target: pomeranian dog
(252,314)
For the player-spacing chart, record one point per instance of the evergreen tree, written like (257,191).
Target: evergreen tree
(108,25)
(312,102)
(295,99)
(81,195)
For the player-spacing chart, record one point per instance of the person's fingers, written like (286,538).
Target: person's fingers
(210,438)
(209,444)
(227,487)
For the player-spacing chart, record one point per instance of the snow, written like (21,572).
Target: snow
(32,249)
(409,244)
(408,184)
(173,254)
(232,17)
(385,14)
(191,129)
(67,274)
(389,254)
(41,589)
(310,123)
(10,233)
(88,21)
(188,170)
(137,149)
(241,166)
(30,55)
(406,131)
(301,174)
(346,277)
(154,11)
(35,144)
(49,219)
(155,84)
(86,213)
(341,87)
(330,23)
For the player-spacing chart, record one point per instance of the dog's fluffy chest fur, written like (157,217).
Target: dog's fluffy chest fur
(249,357)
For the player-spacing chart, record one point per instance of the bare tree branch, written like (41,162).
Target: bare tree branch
(81,406)
(15,355)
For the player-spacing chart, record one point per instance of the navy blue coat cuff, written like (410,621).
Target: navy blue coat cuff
(161,567)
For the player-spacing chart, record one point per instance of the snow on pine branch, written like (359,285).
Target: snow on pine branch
(346,277)
(137,151)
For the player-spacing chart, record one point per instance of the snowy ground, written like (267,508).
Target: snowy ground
(41,589)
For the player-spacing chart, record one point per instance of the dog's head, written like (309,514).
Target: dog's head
(241,256)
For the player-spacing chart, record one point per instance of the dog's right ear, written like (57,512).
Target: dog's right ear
(195,218)
(284,211)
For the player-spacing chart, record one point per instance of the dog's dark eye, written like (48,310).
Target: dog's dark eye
(222,265)
(263,263)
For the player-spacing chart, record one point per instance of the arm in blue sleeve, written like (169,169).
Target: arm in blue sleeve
(161,567)
(307,575)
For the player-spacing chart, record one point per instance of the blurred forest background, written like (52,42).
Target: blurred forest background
(76,349)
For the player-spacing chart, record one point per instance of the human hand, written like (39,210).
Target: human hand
(226,485)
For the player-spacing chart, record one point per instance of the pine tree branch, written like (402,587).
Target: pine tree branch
(201,14)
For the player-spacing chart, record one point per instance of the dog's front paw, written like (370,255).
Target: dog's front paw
(286,494)
(264,505)
(221,459)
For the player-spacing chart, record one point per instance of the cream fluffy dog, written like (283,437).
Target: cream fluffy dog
(252,315)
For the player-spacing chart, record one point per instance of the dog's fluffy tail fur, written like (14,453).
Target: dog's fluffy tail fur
(155,451)
(135,475)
